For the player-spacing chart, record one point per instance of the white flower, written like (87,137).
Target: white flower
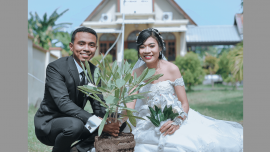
(175,110)
(91,85)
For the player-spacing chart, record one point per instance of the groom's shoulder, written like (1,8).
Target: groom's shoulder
(59,62)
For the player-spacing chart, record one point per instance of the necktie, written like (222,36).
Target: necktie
(81,96)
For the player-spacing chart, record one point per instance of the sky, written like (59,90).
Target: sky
(203,12)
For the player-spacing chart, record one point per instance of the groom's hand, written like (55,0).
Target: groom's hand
(112,129)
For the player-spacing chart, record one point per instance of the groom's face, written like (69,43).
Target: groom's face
(84,46)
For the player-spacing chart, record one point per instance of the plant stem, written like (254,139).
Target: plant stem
(116,111)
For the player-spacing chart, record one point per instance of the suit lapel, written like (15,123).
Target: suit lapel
(73,71)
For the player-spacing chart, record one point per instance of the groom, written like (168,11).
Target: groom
(61,119)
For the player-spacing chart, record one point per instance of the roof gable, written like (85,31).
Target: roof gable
(113,6)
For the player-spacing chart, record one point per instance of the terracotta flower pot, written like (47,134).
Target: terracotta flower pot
(123,143)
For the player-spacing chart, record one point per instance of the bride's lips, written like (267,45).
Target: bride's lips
(148,57)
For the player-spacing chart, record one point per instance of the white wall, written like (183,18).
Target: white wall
(109,8)
(164,6)
(36,73)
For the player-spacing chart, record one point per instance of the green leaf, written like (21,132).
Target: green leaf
(127,77)
(130,80)
(102,89)
(152,111)
(103,62)
(153,78)
(149,74)
(154,121)
(89,71)
(137,88)
(132,97)
(84,70)
(101,126)
(129,126)
(129,109)
(162,118)
(114,65)
(89,89)
(131,119)
(90,107)
(98,99)
(98,81)
(116,93)
(120,83)
(173,115)
(96,75)
(133,116)
(156,109)
(135,77)
(142,76)
(111,99)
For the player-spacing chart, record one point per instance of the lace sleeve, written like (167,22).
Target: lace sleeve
(178,81)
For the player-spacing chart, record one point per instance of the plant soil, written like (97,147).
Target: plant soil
(123,143)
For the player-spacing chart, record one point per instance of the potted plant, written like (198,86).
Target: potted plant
(118,87)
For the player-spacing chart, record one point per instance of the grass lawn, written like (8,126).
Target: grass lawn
(225,104)
(34,145)
(222,104)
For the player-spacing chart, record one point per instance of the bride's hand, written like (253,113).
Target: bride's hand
(168,128)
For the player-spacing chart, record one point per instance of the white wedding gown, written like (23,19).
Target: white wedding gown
(198,133)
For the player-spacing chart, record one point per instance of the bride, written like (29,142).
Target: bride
(190,131)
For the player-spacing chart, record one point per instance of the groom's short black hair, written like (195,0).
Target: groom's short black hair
(83,29)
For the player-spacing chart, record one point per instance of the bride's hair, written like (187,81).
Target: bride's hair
(145,34)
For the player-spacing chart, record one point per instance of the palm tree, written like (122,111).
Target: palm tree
(237,66)
(236,62)
(65,39)
(45,29)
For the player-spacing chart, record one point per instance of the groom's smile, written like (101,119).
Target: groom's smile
(84,46)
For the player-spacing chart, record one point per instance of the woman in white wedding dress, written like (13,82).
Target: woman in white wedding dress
(190,131)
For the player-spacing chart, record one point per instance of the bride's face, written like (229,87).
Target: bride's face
(149,51)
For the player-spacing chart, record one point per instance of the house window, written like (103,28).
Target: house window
(105,42)
(169,40)
(131,40)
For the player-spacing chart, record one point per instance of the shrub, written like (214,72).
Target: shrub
(108,58)
(223,63)
(131,55)
(191,69)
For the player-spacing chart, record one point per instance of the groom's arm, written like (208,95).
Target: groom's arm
(55,83)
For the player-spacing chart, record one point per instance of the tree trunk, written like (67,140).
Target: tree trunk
(212,81)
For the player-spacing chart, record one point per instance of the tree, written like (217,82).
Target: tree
(44,29)
(223,63)
(191,69)
(65,39)
(131,55)
(211,64)
(237,63)
(234,65)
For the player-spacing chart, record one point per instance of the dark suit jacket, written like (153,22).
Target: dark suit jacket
(61,96)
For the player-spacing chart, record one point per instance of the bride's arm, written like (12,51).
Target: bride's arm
(180,90)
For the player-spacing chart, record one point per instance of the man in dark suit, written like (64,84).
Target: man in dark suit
(61,119)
